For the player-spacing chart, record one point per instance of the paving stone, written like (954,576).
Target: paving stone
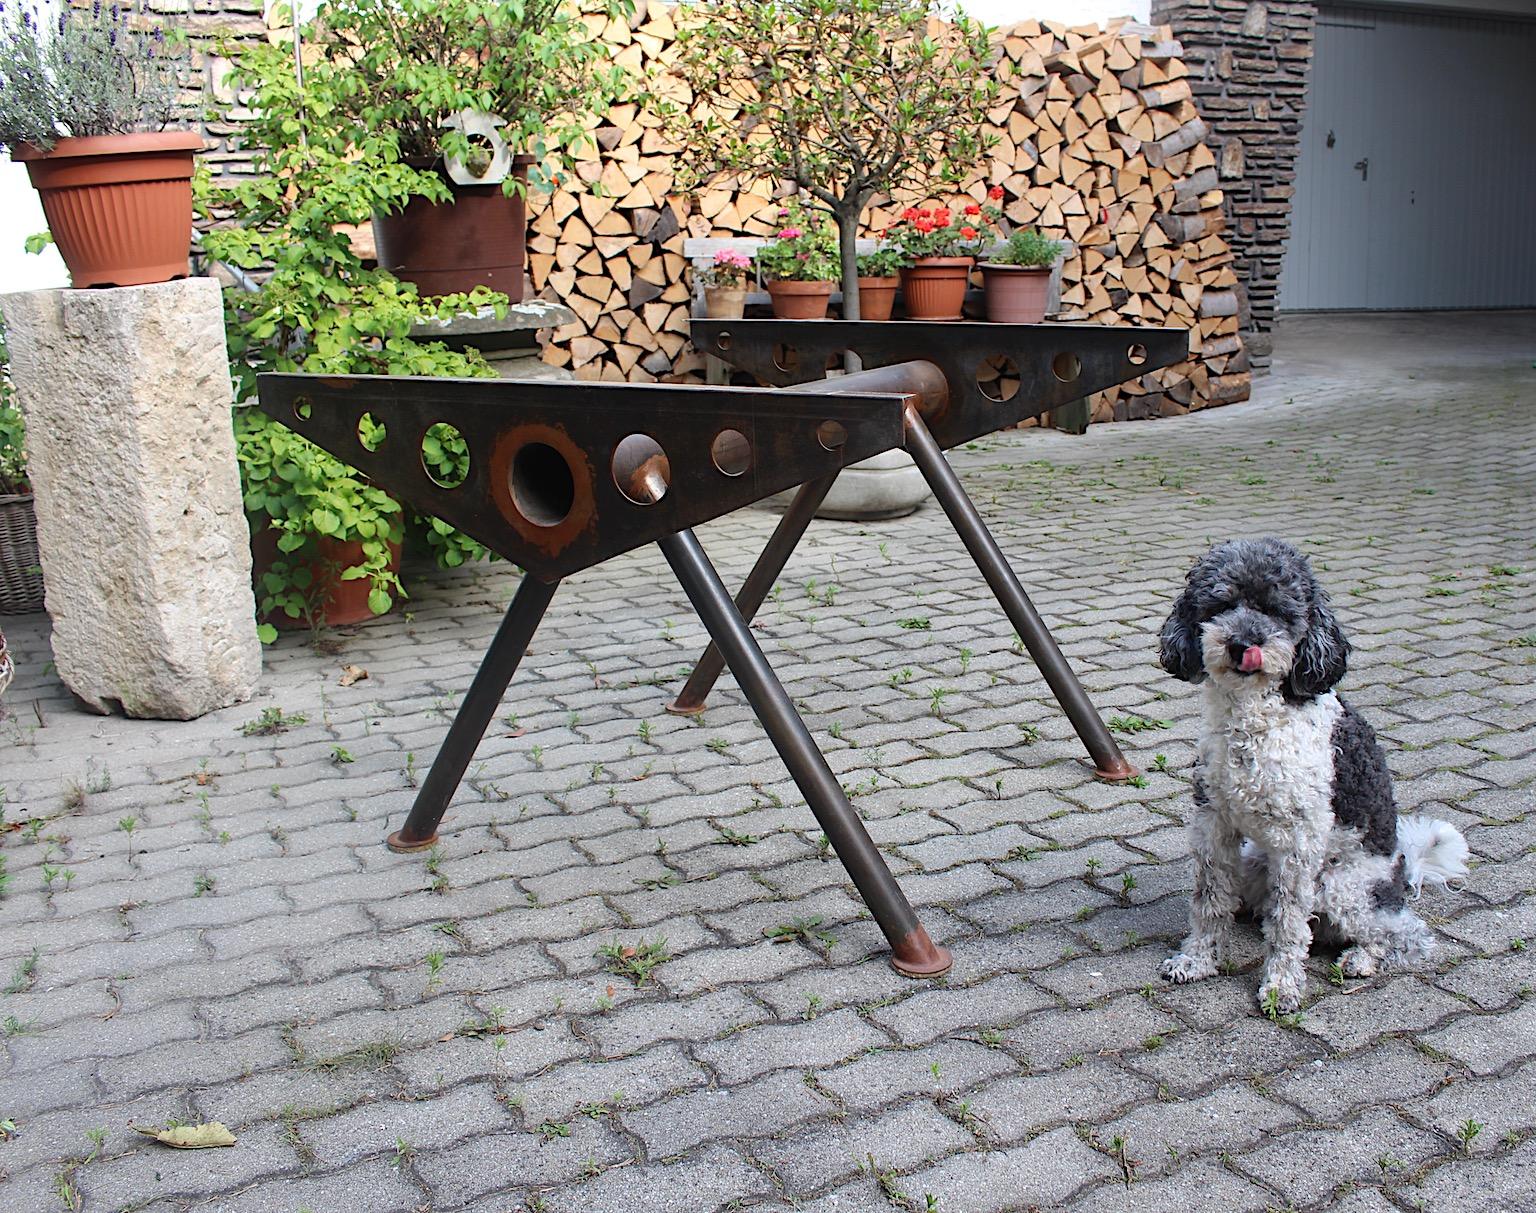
(1330,1089)
(914,1134)
(1044,1171)
(1503,1185)
(761,1108)
(1488,1043)
(1201,1185)
(708,1179)
(1017,1107)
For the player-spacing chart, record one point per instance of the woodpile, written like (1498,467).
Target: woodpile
(1098,142)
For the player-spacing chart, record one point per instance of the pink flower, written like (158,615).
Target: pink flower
(783,212)
(790,233)
(729,258)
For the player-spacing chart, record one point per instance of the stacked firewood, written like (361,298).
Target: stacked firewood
(1098,143)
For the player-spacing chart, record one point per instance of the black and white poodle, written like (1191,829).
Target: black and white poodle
(1293,810)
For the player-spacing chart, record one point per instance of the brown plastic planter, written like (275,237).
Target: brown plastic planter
(934,287)
(877,297)
(478,239)
(800,300)
(1016,294)
(119,206)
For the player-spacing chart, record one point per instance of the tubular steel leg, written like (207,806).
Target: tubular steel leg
(913,953)
(754,590)
(474,715)
(1109,762)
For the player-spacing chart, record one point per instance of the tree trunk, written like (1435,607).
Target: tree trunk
(847,247)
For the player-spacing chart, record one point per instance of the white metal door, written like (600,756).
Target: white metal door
(1417,173)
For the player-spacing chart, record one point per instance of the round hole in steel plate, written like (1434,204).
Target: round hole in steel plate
(731,452)
(723,339)
(371,432)
(444,455)
(997,377)
(1136,355)
(786,358)
(641,469)
(302,407)
(1066,366)
(832,435)
(543,486)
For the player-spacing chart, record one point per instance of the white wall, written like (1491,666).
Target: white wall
(20,216)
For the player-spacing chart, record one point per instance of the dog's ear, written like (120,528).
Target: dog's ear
(1322,657)
(1179,644)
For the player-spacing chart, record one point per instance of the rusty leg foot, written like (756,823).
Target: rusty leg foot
(756,588)
(1108,762)
(474,715)
(913,953)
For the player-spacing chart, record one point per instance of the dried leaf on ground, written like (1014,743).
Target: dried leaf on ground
(192,1137)
(351,674)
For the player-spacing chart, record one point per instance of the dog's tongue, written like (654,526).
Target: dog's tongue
(1253,659)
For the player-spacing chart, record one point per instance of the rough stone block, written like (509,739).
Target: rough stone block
(144,544)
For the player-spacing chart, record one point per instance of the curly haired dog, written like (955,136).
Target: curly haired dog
(1293,813)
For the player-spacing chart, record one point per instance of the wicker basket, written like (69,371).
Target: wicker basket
(21,580)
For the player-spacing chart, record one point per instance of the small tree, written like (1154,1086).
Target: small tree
(848,99)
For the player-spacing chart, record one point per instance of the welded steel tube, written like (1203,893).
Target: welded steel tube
(912,951)
(474,715)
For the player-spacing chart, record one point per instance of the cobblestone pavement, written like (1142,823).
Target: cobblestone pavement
(203,925)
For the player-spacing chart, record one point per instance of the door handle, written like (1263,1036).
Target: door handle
(1364,166)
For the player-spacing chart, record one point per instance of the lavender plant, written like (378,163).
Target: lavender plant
(102,70)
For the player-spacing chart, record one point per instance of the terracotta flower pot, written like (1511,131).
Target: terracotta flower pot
(119,206)
(338,602)
(934,287)
(1016,294)
(877,296)
(725,302)
(800,300)
(478,239)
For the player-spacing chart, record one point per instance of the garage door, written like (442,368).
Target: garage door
(1417,174)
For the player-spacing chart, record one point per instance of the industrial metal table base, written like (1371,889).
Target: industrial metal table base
(563,476)
(1062,362)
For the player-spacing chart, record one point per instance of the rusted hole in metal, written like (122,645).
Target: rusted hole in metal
(543,487)
(641,469)
(723,340)
(1066,366)
(832,434)
(444,455)
(998,377)
(731,452)
(301,407)
(371,432)
(1136,355)
(786,358)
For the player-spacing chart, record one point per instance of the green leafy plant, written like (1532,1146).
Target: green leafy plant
(399,68)
(803,250)
(1026,247)
(882,263)
(13,430)
(847,99)
(318,309)
(941,231)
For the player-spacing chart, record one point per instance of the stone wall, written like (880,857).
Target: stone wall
(1249,64)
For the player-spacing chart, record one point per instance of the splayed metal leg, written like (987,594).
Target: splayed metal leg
(756,588)
(913,953)
(1109,762)
(474,716)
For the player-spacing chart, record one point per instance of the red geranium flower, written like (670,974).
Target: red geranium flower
(910,213)
(924,225)
(924,212)
(968,232)
(973,208)
(995,192)
(941,216)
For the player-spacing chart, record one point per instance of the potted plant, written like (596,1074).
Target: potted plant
(879,276)
(1018,278)
(799,266)
(326,542)
(725,284)
(84,102)
(847,99)
(21,578)
(444,86)
(939,248)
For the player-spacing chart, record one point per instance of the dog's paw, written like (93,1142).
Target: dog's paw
(1184,967)
(1280,994)
(1357,962)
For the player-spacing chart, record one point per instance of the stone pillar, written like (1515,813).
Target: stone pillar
(1249,62)
(145,550)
